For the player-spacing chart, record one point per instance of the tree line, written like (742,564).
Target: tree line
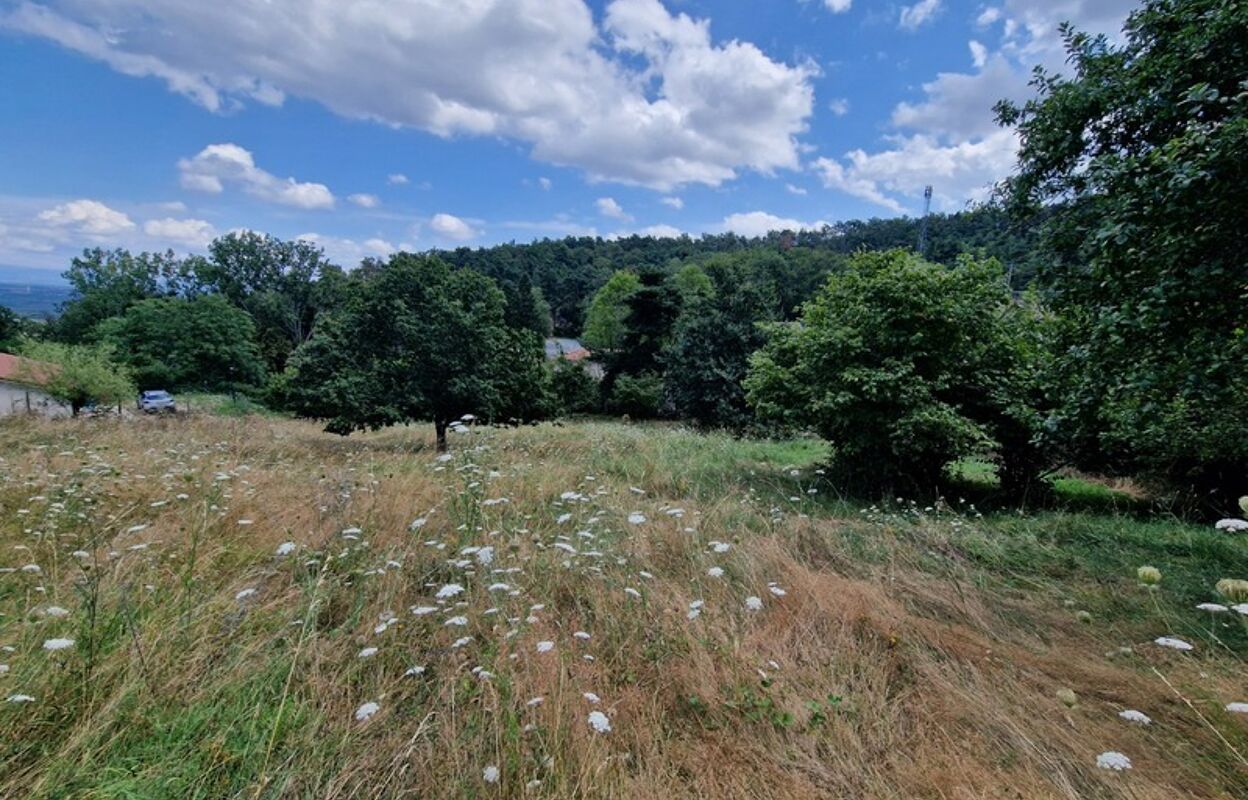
(1094,315)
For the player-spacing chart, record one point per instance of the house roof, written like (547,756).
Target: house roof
(24,370)
(570,349)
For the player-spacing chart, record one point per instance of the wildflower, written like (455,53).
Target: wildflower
(695,609)
(367,652)
(562,518)
(490,774)
(1138,717)
(1231,525)
(599,722)
(1212,608)
(458,643)
(497,587)
(1068,697)
(776,590)
(592,698)
(1113,760)
(632,592)
(1148,576)
(244,594)
(421,611)
(1240,608)
(715,572)
(545,647)
(536,701)
(1084,616)
(285,548)
(4,669)
(721,547)
(1169,641)
(636,518)
(413,671)
(582,635)
(33,569)
(58,644)
(1237,708)
(19,698)
(417,524)
(366,711)
(243,522)
(753,603)
(56,612)
(449,590)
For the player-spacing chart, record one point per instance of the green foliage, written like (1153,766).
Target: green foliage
(904,366)
(1142,146)
(575,390)
(416,340)
(604,323)
(14,329)
(173,343)
(639,396)
(714,336)
(80,374)
(106,283)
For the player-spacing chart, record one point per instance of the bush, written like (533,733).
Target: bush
(576,391)
(906,366)
(639,396)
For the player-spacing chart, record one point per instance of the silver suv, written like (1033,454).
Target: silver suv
(157,401)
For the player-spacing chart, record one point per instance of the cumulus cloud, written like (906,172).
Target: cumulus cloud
(449,226)
(349,252)
(397,179)
(364,200)
(196,233)
(674,202)
(87,216)
(544,183)
(641,96)
(949,139)
(609,208)
(922,12)
(218,164)
(760,223)
(791,189)
(838,6)
(839,106)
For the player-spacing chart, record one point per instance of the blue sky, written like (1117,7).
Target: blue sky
(414,124)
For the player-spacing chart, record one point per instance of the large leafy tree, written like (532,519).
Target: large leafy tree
(106,283)
(605,320)
(173,343)
(1138,159)
(416,340)
(905,366)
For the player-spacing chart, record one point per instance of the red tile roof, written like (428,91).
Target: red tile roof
(23,370)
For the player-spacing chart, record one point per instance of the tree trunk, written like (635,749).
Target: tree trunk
(440,426)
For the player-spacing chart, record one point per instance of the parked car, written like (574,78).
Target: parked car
(156,402)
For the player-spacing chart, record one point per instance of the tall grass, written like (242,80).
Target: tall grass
(914,652)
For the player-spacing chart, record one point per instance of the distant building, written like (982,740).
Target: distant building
(572,350)
(20,388)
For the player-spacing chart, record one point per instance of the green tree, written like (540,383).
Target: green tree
(714,336)
(79,374)
(605,320)
(107,282)
(904,366)
(1135,164)
(14,329)
(175,343)
(575,390)
(416,340)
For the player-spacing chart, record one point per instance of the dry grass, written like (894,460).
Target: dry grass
(900,662)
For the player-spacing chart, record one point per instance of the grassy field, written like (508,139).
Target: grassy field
(261,610)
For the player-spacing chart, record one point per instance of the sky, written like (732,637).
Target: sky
(369,126)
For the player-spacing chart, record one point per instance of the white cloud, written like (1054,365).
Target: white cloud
(452,227)
(674,202)
(561,225)
(838,6)
(218,164)
(364,200)
(397,179)
(349,252)
(87,216)
(760,223)
(655,231)
(839,106)
(950,138)
(791,189)
(979,54)
(924,11)
(640,96)
(544,183)
(609,208)
(196,233)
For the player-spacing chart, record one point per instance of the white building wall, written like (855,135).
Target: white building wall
(16,398)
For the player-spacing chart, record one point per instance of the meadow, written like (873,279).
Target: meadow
(242,606)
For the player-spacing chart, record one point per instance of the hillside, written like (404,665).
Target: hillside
(259,609)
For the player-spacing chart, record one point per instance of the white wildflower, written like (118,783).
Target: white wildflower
(715,572)
(33,569)
(1237,708)
(1213,608)
(1138,717)
(1233,525)
(599,722)
(19,698)
(58,644)
(56,612)
(421,611)
(286,548)
(753,603)
(632,592)
(460,621)
(244,594)
(413,671)
(490,774)
(545,647)
(582,635)
(1113,760)
(636,518)
(367,652)
(721,547)
(1171,642)
(417,524)
(776,590)
(536,701)
(366,711)
(592,698)
(458,643)
(449,590)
